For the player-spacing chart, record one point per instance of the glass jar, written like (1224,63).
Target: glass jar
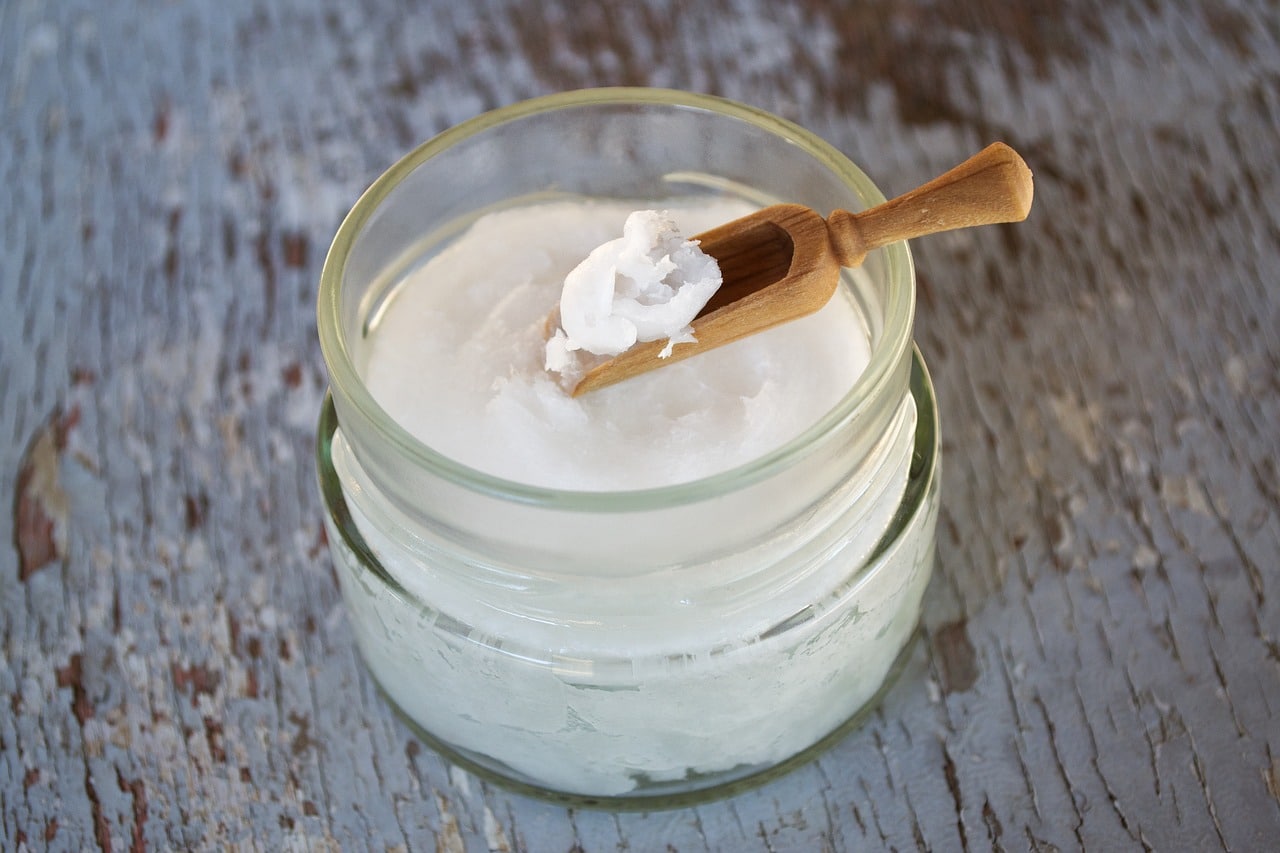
(627,646)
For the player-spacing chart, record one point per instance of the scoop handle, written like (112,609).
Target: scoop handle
(992,186)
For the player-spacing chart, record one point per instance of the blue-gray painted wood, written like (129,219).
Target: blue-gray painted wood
(1100,665)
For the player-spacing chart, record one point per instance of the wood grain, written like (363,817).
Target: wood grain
(1100,665)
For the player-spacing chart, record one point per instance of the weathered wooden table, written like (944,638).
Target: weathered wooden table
(1100,662)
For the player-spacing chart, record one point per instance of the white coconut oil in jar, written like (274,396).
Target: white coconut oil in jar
(665,586)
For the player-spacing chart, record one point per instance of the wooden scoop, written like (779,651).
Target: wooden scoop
(783,262)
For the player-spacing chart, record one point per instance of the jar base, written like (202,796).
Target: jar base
(659,796)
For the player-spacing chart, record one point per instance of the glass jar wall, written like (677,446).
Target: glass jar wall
(627,644)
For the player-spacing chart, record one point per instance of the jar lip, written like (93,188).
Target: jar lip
(886,354)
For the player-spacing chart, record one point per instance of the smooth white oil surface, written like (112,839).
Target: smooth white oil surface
(457,359)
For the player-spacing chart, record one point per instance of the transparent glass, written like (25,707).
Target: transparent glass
(627,646)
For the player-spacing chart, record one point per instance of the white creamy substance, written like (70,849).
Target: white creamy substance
(458,359)
(648,284)
(592,677)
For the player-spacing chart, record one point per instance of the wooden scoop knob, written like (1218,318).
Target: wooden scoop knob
(992,186)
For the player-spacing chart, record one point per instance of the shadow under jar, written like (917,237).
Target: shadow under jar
(627,646)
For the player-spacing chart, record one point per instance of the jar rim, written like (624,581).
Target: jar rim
(886,354)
